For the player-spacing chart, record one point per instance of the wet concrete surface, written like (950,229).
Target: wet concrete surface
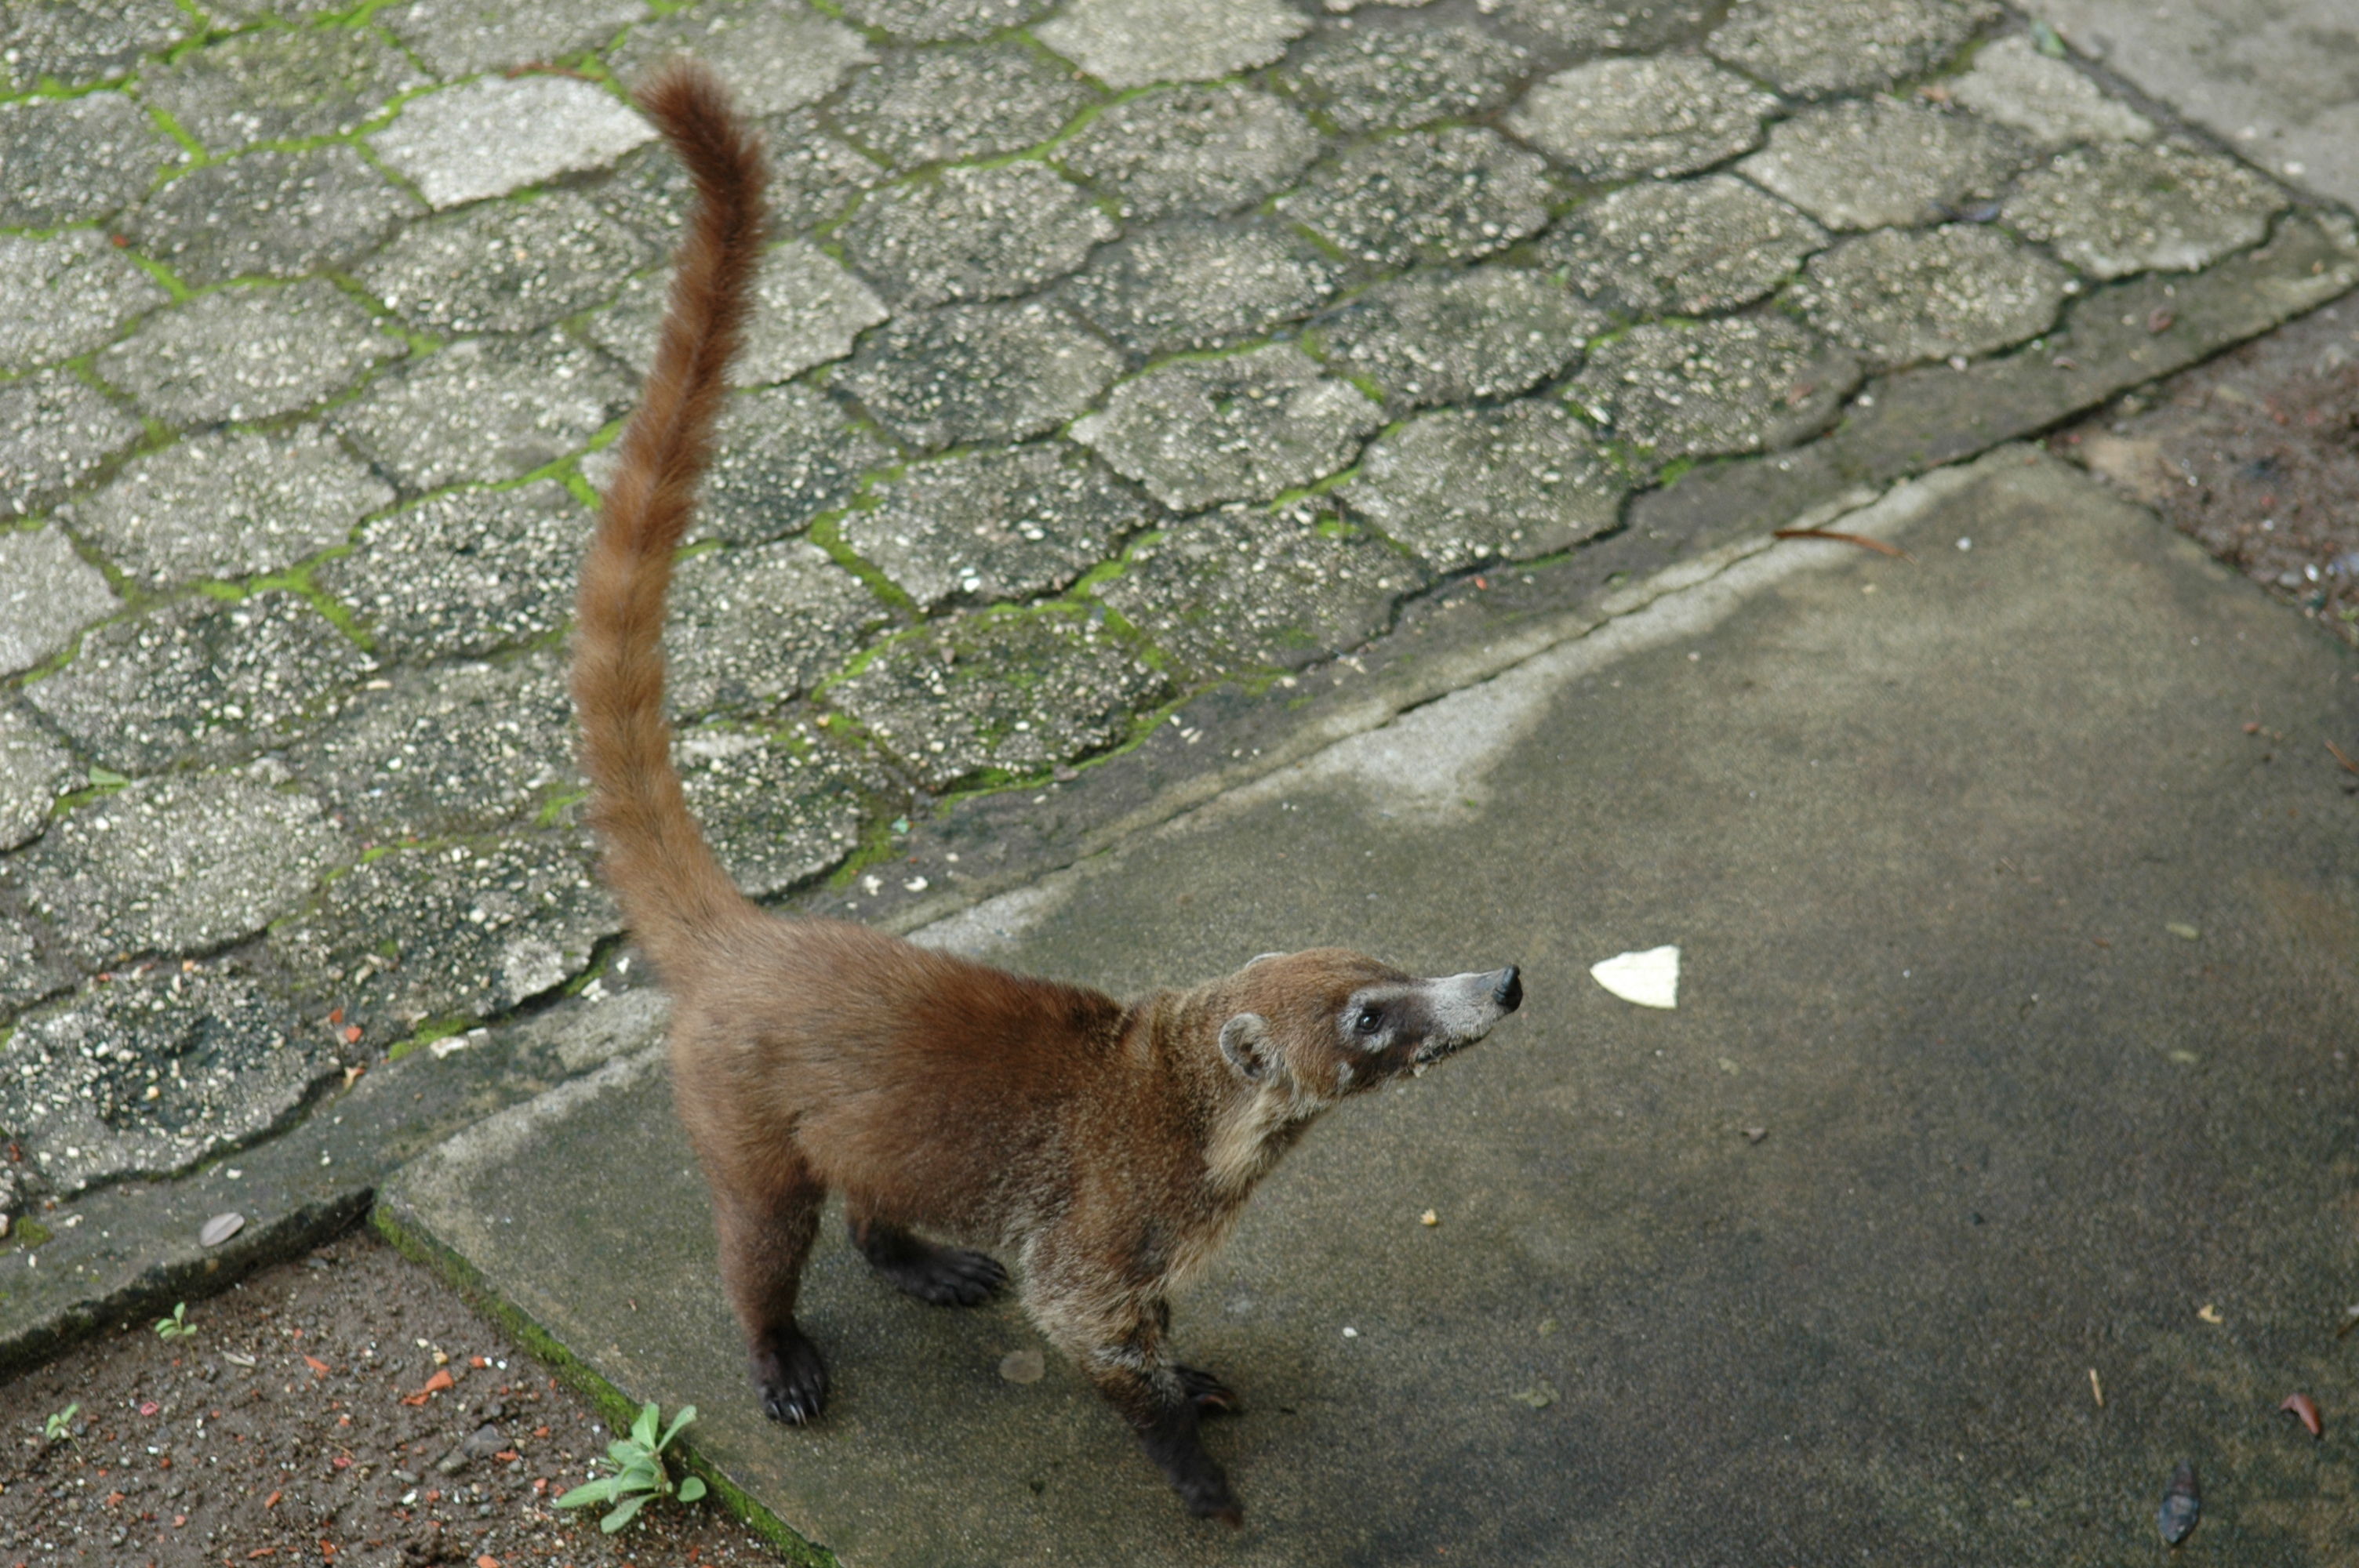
(1952,1113)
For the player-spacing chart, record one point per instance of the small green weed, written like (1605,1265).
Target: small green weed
(639,1475)
(59,1428)
(176,1326)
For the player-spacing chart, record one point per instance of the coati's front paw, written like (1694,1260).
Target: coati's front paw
(790,1377)
(1207,1393)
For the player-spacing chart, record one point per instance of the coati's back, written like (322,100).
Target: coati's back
(909,1076)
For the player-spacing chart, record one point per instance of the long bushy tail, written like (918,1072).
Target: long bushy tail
(673,889)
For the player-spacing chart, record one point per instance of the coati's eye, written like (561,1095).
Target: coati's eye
(1369,1022)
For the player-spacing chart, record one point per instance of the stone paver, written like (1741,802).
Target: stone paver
(807,310)
(248,354)
(2121,207)
(1008,694)
(77,45)
(1242,427)
(1002,524)
(751,627)
(464,573)
(2048,100)
(1604,26)
(1461,486)
(1453,337)
(1733,385)
(975,233)
(1135,43)
(55,431)
(1899,296)
(1813,48)
(455,931)
(1435,196)
(774,57)
(31,968)
(145,1074)
(46,594)
(498,135)
(506,266)
(453,748)
(76,159)
(1687,247)
(777,810)
(485,408)
(269,214)
(1192,150)
(1618,119)
(33,770)
(813,177)
(178,864)
(1367,76)
(979,372)
(782,455)
(940,21)
(200,677)
(1193,284)
(921,106)
(1865,165)
(281,86)
(66,296)
(460,37)
(230,503)
(1202,591)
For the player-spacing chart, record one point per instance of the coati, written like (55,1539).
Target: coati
(1108,1146)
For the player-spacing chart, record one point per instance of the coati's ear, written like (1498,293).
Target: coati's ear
(1245,1041)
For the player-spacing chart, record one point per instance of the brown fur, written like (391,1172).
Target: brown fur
(1109,1146)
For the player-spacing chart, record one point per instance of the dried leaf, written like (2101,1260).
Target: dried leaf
(2304,1408)
(1862,540)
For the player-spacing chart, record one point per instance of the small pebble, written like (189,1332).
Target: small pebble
(1023,1367)
(1351,1333)
(2182,1504)
(220,1227)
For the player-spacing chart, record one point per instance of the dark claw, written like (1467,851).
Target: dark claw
(790,1377)
(1207,1393)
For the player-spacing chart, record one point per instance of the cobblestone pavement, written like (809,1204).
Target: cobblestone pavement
(1109,354)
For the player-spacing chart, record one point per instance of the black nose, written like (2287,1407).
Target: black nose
(1509,992)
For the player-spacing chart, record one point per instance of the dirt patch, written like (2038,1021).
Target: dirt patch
(184,1455)
(2255,455)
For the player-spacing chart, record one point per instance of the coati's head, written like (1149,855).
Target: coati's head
(1312,1027)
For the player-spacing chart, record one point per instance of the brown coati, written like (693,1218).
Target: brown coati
(1108,1146)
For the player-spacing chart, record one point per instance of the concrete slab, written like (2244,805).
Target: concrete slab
(2279,80)
(2010,1064)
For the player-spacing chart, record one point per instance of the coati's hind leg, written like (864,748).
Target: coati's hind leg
(763,1248)
(946,1276)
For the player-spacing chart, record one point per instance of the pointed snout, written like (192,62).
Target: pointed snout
(1466,1006)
